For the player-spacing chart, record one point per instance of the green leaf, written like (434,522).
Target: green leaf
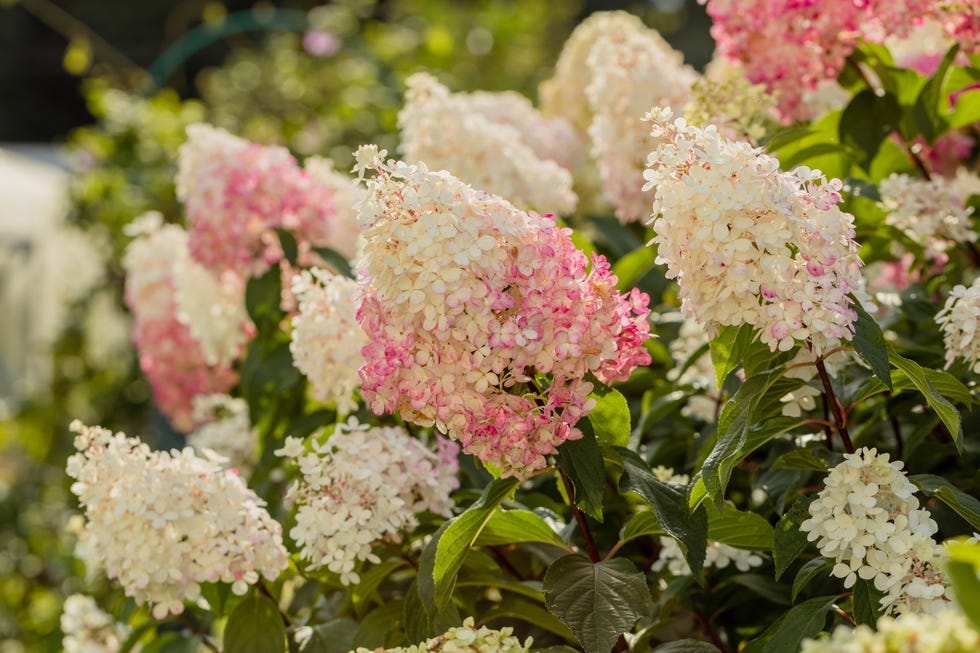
(765,587)
(945,384)
(597,601)
(687,646)
(962,503)
(870,344)
(669,501)
(610,418)
(945,410)
(514,526)
(581,461)
(334,636)
(800,459)
(640,524)
(802,621)
(727,349)
(806,154)
(808,572)
(419,625)
(745,530)
(866,602)
(867,121)
(336,260)
(375,627)
(860,188)
(788,540)
(288,243)
(263,296)
(633,266)
(929,110)
(515,607)
(443,555)
(371,579)
(962,570)
(255,627)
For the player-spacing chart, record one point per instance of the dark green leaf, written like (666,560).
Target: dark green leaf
(807,154)
(870,344)
(867,121)
(788,540)
(802,621)
(420,626)
(669,501)
(962,503)
(335,636)
(581,461)
(255,627)
(765,587)
(514,526)
(929,112)
(515,607)
(686,646)
(640,524)
(610,418)
(866,601)
(263,296)
(377,624)
(443,555)
(336,260)
(633,266)
(808,572)
(288,243)
(371,579)
(860,188)
(945,410)
(727,349)
(599,601)
(800,459)
(963,570)
(745,530)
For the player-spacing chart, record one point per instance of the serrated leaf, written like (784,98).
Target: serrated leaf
(808,572)
(744,530)
(945,410)
(687,646)
(610,418)
(802,621)
(728,348)
(788,540)
(255,627)
(581,460)
(963,504)
(669,501)
(866,602)
(515,526)
(870,345)
(597,601)
(443,555)
(640,524)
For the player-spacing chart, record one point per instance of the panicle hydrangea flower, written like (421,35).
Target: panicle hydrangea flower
(932,211)
(947,631)
(363,485)
(225,429)
(170,356)
(469,301)
(465,639)
(87,629)
(345,192)
(717,556)
(749,244)
(792,46)
(960,323)
(236,193)
(162,523)
(326,339)
(724,97)
(631,70)
(447,131)
(868,522)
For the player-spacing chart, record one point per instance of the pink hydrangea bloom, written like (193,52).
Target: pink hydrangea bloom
(484,319)
(236,193)
(171,358)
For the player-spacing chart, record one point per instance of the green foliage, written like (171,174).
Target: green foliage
(255,627)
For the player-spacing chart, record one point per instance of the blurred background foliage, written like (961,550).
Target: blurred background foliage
(320,79)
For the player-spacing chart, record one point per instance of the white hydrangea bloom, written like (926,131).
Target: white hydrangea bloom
(717,556)
(149,264)
(225,429)
(363,485)
(960,323)
(162,523)
(724,97)
(631,69)
(107,329)
(868,522)
(345,231)
(749,244)
(465,639)
(87,629)
(446,131)
(212,305)
(326,339)
(931,212)
(947,631)
(73,263)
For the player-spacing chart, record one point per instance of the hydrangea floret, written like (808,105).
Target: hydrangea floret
(484,319)
(162,523)
(467,638)
(224,428)
(868,521)
(749,244)
(947,631)
(959,321)
(363,485)
(88,629)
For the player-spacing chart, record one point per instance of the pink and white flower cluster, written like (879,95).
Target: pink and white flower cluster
(499,144)
(163,523)
(225,429)
(867,520)
(959,320)
(793,46)
(469,303)
(326,339)
(236,193)
(750,244)
(88,629)
(174,361)
(363,485)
